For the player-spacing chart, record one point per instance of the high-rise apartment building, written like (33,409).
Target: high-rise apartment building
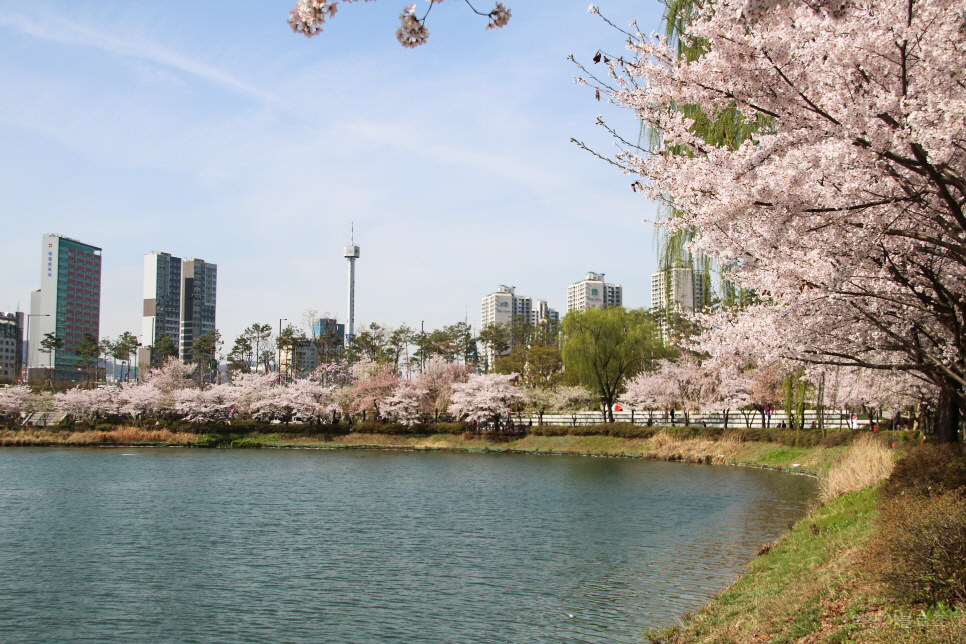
(593,293)
(11,346)
(686,289)
(499,307)
(68,305)
(541,313)
(162,300)
(179,302)
(504,305)
(198,290)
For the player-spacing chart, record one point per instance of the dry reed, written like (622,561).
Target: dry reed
(119,436)
(662,446)
(867,463)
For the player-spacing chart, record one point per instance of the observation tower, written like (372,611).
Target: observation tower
(351,252)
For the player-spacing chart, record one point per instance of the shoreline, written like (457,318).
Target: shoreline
(812,461)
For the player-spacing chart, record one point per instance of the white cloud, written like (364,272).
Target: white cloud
(59,30)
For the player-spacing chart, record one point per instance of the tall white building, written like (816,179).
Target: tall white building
(505,304)
(541,313)
(501,307)
(686,289)
(593,293)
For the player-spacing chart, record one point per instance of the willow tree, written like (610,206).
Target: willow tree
(603,348)
(722,127)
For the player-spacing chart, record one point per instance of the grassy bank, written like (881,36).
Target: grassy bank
(883,564)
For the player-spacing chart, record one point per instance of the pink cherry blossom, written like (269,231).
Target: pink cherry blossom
(484,398)
(846,209)
(403,406)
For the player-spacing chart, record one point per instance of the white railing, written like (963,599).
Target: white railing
(834,419)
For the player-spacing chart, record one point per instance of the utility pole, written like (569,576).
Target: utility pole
(279,347)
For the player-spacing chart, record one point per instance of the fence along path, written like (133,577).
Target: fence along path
(834,419)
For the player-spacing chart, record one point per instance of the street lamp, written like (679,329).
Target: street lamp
(279,346)
(26,356)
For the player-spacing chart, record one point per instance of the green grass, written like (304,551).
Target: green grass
(787,590)
(785,455)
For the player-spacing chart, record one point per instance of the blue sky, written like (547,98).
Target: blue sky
(208,129)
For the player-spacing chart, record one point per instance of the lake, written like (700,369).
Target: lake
(181,545)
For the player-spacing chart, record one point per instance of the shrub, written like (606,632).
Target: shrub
(206,441)
(247,443)
(396,429)
(919,550)
(377,427)
(867,463)
(447,428)
(927,470)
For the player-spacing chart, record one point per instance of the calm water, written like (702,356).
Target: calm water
(173,545)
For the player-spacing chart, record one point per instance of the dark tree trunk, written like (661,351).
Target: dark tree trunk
(948,418)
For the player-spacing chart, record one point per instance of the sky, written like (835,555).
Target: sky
(210,130)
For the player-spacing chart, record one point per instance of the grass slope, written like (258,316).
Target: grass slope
(809,588)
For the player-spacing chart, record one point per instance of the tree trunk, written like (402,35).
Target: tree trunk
(948,418)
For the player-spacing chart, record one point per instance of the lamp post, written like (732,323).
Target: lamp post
(279,344)
(26,363)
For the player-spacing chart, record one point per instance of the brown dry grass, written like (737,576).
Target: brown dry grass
(867,463)
(121,435)
(666,447)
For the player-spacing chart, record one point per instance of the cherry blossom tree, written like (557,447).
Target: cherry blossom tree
(403,406)
(310,400)
(15,401)
(438,378)
(336,372)
(539,399)
(173,375)
(202,405)
(845,210)
(245,390)
(649,391)
(343,401)
(374,384)
(572,399)
(302,399)
(137,400)
(731,391)
(484,398)
(80,403)
(308,16)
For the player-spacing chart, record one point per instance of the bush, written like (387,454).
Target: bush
(396,429)
(206,441)
(447,428)
(928,470)
(919,549)
(247,443)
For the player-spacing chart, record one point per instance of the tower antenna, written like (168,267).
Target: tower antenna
(351,252)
